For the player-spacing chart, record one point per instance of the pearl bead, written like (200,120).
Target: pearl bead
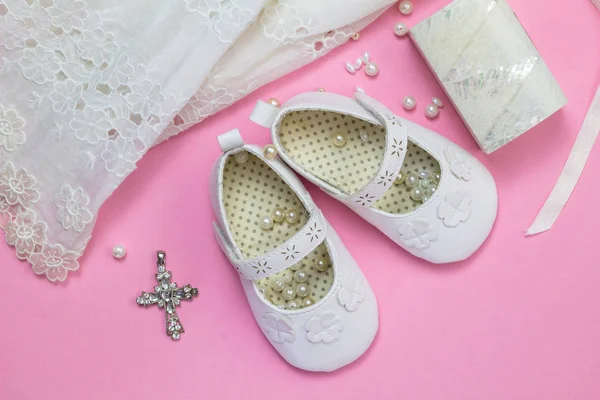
(339,140)
(358,63)
(278,215)
(416,193)
(307,302)
(262,290)
(241,157)
(277,284)
(274,102)
(356,36)
(292,217)
(424,175)
(371,69)
(296,267)
(288,277)
(430,191)
(322,90)
(302,290)
(292,305)
(321,265)
(266,223)
(366,57)
(301,275)
(405,7)
(364,136)
(411,180)
(409,103)
(270,151)
(437,102)
(425,197)
(359,90)
(431,111)
(119,251)
(350,68)
(399,179)
(436,177)
(288,293)
(400,29)
(425,183)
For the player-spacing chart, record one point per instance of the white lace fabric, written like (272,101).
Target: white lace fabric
(88,86)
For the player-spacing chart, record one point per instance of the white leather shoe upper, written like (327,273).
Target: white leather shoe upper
(450,226)
(336,329)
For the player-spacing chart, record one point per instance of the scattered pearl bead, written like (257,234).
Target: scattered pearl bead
(322,90)
(359,90)
(119,251)
(292,216)
(288,293)
(405,7)
(358,63)
(288,277)
(411,180)
(356,36)
(366,57)
(431,111)
(274,102)
(400,29)
(241,157)
(339,140)
(416,193)
(307,302)
(321,265)
(277,284)
(266,223)
(350,68)
(270,151)
(437,102)
(399,179)
(278,215)
(301,275)
(371,69)
(292,305)
(302,290)
(409,103)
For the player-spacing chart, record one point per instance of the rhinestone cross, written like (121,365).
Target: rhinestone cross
(168,296)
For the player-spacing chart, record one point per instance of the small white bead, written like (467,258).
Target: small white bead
(350,68)
(405,7)
(119,251)
(278,215)
(307,302)
(399,178)
(277,284)
(292,216)
(274,102)
(432,111)
(270,151)
(266,223)
(288,277)
(358,64)
(416,193)
(241,157)
(321,90)
(339,140)
(366,57)
(321,265)
(436,177)
(409,103)
(437,102)
(424,175)
(288,293)
(292,305)
(371,69)
(430,191)
(411,180)
(425,183)
(400,29)
(359,90)
(302,290)
(301,275)
(364,136)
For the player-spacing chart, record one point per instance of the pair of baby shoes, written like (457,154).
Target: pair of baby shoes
(307,293)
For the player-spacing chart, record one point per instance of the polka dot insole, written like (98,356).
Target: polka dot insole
(307,137)
(251,191)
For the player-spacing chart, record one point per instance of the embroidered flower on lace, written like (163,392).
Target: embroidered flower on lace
(231,22)
(211,100)
(17,187)
(55,262)
(65,96)
(282,23)
(72,208)
(98,46)
(205,6)
(12,32)
(117,73)
(11,133)
(119,156)
(145,98)
(90,125)
(39,65)
(25,233)
(68,14)
(4,208)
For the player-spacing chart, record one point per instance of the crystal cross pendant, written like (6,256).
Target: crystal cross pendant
(168,296)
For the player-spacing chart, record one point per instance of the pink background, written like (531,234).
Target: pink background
(518,320)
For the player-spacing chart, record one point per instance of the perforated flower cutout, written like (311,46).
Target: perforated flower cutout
(261,267)
(418,233)
(11,129)
(460,167)
(456,208)
(278,328)
(17,186)
(24,232)
(72,208)
(352,293)
(54,262)
(326,328)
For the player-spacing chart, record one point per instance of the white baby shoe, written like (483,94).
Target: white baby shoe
(423,191)
(306,292)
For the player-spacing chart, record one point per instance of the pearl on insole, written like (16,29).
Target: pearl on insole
(241,157)
(409,103)
(371,69)
(437,102)
(119,251)
(301,275)
(266,223)
(302,290)
(424,175)
(400,29)
(436,177)
(288,277)
(307,302)
(270,151)
(411,180)
(278,215)
(399,178)
(274,102)
(405,7)
(292,216)
(431,111)
(416,193)
(278,284)
(321,265)
(339,139)
(292,305)
(364,136)
(288,293)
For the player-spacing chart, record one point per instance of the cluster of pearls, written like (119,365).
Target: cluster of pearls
(298,296)
(422,185)
(431,111)
(371,69)
(290,216)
